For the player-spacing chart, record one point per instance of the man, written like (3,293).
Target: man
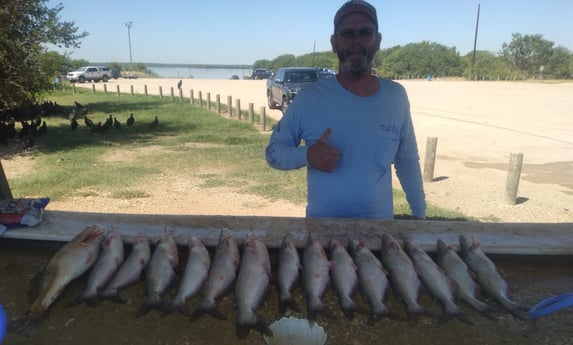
(354,127)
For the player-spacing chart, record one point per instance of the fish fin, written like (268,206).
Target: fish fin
(200,311)
(413,315)
(374,318)
(353,307)
(286,304)
(24,326)
(458,315)
(313,313)
(116,298)
(260,326)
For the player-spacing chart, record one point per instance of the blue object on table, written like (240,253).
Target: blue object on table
(551,305)
(2,323)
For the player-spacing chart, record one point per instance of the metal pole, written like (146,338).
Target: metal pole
(475,38)
(128,25)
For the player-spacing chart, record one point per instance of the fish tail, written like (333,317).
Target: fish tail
(415,312)
(373,318)
(287,303)
(210,309)
(350,307)
(114,297)
(146,307)
(258,325)
(25,325)
(91,301)
(319,308)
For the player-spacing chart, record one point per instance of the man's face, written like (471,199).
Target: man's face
(356,41)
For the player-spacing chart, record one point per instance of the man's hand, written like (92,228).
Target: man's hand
(322,156)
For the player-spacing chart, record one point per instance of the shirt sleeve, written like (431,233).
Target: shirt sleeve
(284,151)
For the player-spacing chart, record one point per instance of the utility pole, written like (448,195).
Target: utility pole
(128,25)
(475,38)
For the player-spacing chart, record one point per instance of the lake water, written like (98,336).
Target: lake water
(199,73)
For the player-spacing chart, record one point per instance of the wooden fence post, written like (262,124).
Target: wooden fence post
(209,100)
(131,89)
(238,106)
(192,100)
(200,99)
(251,113)
(263,119)
(230,105)
(105,88)
(118,93)
(94,89)
(145,89)
(172,94)
(160,92)
(218,98)
(180,95)
(5,192)
(74,88)
(512,182)
(430,161)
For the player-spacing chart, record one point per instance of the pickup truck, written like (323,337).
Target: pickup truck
(90,73)
(283,86)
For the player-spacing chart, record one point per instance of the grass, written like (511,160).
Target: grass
(188,140)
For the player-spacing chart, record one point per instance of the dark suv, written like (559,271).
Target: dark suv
(286,83)
(261,73)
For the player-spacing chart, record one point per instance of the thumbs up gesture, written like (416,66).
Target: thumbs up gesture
(321,155)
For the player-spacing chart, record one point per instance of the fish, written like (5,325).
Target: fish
(403,276)
(372,281)
(221,276)
(160,274)
(436,282)
(288,273)
(130,270)
(72,260)
(315,278)
(344,278)
(107,264)
(194,276)
(457,270)
(251,286)
(487,276)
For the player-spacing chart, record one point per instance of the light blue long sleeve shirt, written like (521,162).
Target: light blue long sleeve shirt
(371,133)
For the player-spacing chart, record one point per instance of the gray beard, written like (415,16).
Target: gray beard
(354,66)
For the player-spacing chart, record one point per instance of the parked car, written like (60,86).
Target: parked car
(90,73)
(261,73)
(286,83)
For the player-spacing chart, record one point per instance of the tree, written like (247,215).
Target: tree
(526,53)
(25,27)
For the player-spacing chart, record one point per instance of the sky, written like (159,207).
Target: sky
(242,32)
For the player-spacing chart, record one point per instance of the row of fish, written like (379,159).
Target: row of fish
(349,268)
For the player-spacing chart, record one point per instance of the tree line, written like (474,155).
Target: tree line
(524,57)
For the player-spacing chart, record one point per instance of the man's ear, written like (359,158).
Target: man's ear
(333,43)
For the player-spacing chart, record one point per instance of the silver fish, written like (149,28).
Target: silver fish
(71,261)
(107,264)
(194,276)
(130,270)
(315,278)
(436,282)
(344,278)
(457,270)
(372,281)
(487,275)
(160,274)
(221,276)
(250,289)
(402,275)
(287,274)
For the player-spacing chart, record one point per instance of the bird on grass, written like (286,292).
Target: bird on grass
(116,124)
(89,123)
(43,128)
(74,123)
(130,120)
(154,123)
(29,143)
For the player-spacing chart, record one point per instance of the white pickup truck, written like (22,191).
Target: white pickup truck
(90,73)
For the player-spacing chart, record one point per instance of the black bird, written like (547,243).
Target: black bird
(107,124)
(89,123)
(78,105)
(116,124)
(130,120)
(179,84)
(26,129)
(29,142)
(74,123)
(154,123)
(42,129)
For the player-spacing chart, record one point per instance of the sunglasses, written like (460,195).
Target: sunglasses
(364,33)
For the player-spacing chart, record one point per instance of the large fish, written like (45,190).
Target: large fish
(194,276)
(403,275)
(221,276)
(436,282)
(344,278)
(160,274)
(372,281)
(130,270)
(315,278)
(252,282)
(487,275)
(71,261)
(457,270)
(288,272)
(107,264)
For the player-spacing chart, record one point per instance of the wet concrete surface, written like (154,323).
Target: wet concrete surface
(531,279)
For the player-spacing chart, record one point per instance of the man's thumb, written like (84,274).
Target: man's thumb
(325,136)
